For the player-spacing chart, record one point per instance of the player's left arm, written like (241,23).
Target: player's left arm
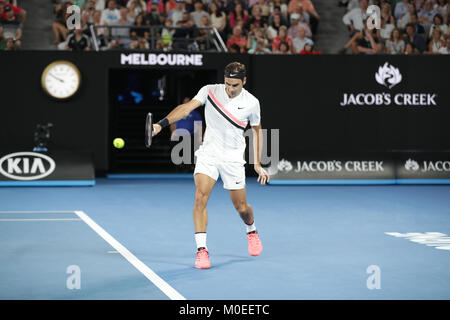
(263,176)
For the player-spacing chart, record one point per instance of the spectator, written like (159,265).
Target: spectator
(10,45)
(308,7)
(176,14)
(100,5)
(446,49)
(111,14)
(256,19)
(282,37)
(139,44)
(438,23)
(218,19)
(139,32)
(255,37)
(11,26)
(87,17)
(17,10)
(309,49)
(277,10)
(183,32)
(354,18)
(169,6)
(300,41)
(436,42)
(293,29)
(59,25)
(153,16)
(284,48)
(419,29)
(100,32)
(415,39)
(426,15)
(387,25)
(231,5)
(122,35)
(406,18)
(304,17)
(395,45)
(410,49)
(199,13)
(165,43)
(137,7)
(204,34)
(78,41)
(441,7)
(273,29)
(237,15)
(265,8)
(401,8)
(238,39)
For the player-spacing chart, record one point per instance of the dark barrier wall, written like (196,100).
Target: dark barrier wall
(300,95)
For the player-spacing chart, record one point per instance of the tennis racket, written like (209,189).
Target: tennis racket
(148,130)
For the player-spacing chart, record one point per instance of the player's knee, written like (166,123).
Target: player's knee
(241,206)
(201,199)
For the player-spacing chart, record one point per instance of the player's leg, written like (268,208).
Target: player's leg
(233,176)
(205,176)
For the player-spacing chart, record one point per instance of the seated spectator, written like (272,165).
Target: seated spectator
(153,17)
(309,49)
(218,19)
(100,5)
(11,26)
(139,44)
(59,25)
(139,32)
(362,42)
(410,49)
(354,18)
(304,17)
(384,33)
(265,8)
(436,42)
(234,48)
(238,39)
(198,13)
(78,41)
(295,23)
(415,39)
(256,37)
(231,5)
(100,32)
(406,18)
(111,14)
(87,17)
(256,19)
(401,8)
(441,7)
(300,41)
(176,14)
(283,48)
(165,43)
(137,7)
(237,15)
(282,37)
(395,45)
(183,32)
(308,7)
(122,34)
(419,29)
(426,15)
(17,10)
(438,23)
(274,27)
(277,11)
(446,49)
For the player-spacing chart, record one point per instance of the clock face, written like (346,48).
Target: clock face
(61,79)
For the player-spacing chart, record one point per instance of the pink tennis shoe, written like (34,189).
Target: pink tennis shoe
(254,244)
(202,261)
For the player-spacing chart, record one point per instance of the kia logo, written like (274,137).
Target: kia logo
(26,166)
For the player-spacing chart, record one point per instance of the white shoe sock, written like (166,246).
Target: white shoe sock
(200,239)
(251,227)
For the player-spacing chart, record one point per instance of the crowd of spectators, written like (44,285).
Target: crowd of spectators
(245,26)
(407,27)
(12,18)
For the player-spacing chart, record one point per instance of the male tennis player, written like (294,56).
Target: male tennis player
(228,110)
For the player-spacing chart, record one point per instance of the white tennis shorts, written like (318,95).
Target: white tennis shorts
(231,173)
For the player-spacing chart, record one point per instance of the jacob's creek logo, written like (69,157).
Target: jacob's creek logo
(389,76)
(161,59)
(26,166)
(331,166)
(427,166)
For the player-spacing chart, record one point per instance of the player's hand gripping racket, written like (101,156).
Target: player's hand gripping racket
(148,130)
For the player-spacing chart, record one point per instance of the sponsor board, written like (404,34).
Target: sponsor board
(423,166)
(36,168)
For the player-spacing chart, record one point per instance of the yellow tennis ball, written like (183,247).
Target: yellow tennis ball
(118,143)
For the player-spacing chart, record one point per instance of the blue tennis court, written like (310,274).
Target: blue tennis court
(133,239)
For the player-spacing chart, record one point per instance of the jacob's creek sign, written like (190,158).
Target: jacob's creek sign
(161,59)
(389,76)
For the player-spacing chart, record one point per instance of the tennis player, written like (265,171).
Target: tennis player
(228,110)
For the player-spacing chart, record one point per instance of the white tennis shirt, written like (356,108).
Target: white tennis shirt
(226,119)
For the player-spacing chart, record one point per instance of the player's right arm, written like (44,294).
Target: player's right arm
(183,110)
(180,112)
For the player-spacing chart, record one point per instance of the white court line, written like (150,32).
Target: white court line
(42,211)
(138,264)
(16,220)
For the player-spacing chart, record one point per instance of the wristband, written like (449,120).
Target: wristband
(163,123)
